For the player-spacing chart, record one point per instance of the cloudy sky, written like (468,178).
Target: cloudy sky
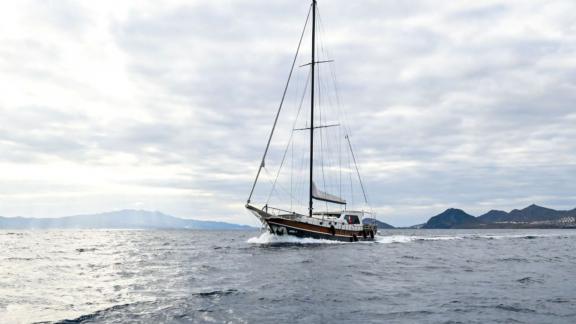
(166,105)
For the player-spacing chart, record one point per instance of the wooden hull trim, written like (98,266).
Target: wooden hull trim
(280,227)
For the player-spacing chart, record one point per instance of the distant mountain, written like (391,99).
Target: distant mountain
(133,219)
(533,216)
(493,216)
(451,218)
(379,224)
(530,214)
(534,213)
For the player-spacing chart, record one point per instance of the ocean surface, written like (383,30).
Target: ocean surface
(186,276)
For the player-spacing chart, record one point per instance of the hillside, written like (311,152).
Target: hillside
(451,218)
(133,219)
(379,224)
(533,216)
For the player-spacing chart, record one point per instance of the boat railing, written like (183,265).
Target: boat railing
(280,212)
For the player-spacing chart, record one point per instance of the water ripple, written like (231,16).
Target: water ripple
(406,276)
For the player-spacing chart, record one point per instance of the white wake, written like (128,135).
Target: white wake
(386,239)
(269,238)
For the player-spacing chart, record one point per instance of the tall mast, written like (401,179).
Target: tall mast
(313,67)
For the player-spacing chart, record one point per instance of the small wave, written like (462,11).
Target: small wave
(515,309)
(269,238)
(439,238)
(92,316)
(369,273)
(413,238)
(217,293)
(417,238)
(394,239)
(18,259)
(529,280)
(517,236)
(80,250)
(559,300)
(513,259)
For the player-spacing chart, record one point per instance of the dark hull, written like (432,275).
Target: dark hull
(281,226)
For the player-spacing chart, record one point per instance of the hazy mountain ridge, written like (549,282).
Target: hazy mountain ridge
(379,224)
(123,219)
(533,216)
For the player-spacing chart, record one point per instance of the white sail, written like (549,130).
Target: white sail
(321,195)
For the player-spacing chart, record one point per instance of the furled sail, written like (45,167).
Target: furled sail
(321,195)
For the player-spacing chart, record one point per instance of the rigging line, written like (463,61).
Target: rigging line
(301,187)
(327,53)
(290,139)
(332,161)
(349,168)
(357,171)
(279,107)
(340,110)
(340,161)
(324,135)
(324,113)
(330,139)
(279,186)
(299,160)
(321,111)
(346,130)
(325,50)
(320,133)
(291,175)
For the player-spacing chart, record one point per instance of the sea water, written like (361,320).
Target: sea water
(186,276)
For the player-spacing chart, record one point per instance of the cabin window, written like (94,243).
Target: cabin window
(351,219)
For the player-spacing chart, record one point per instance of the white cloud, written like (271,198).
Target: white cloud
(166,105)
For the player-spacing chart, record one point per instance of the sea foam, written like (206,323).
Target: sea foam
(269,238)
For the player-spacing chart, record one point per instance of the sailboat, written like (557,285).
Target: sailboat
(336,221)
